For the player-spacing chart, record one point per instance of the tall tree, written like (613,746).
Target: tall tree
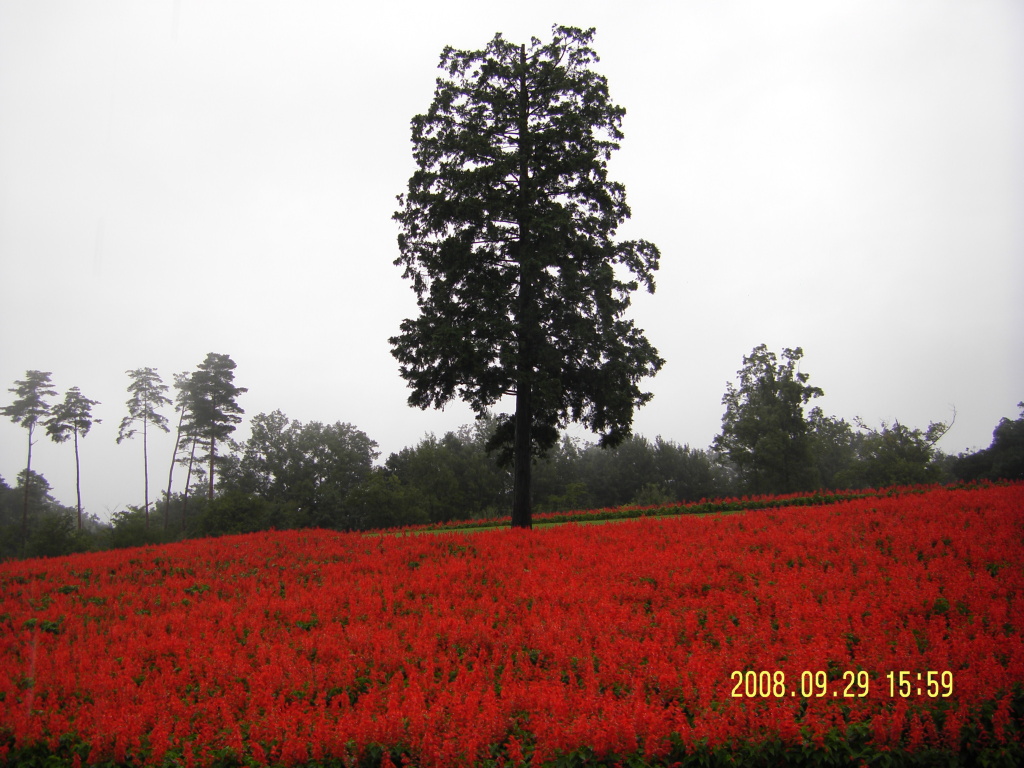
(147,396)
(28,409)
(764,432)
(212,401)
(189,432)
(72,417)
(506,232)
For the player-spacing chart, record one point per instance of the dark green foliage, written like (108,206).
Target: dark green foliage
(36,489)
(130,528)
(1003,459)
(51,528)
(897,455)
(636,472)
(1007,449)
(72,417)
(210,398)
(28,409)
(453,478)
(9,520)
(507,236)
(559,481)
(232,512)
(30,406)
(764,432)
(383,501)
(775,449)
(55,533)
(309,469)
(147,398)
(834,448)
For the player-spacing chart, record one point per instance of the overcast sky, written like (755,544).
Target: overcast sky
(186,176)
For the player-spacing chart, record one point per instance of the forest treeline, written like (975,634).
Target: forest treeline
(290,474)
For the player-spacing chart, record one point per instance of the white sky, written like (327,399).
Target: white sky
(181,177)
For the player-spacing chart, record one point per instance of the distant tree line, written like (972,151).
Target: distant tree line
(773,447)
(290,474)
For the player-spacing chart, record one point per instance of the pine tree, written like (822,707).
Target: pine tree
(147,396)
(211,399)
(73,417)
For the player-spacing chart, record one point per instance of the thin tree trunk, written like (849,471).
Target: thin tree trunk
(188,482)
(78,482)
(522,460)
(28,481)
(170,473)
(213,445)
(145,463)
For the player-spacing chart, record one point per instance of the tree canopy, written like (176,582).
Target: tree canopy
(310,467)
(1003,459)
(764,431)
(147,398)
(211,401)
(507,234)
(897,454)
(72,418)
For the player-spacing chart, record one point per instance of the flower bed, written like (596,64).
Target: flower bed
(872,625)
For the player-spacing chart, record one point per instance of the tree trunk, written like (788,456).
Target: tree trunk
(213,445)
(188,482)
(145,463)
(522,459)
(78,482)
(170,473)
(28,481)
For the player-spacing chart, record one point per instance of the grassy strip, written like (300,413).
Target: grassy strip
(490,525)
(677,509)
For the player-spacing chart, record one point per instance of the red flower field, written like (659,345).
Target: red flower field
(883,624)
